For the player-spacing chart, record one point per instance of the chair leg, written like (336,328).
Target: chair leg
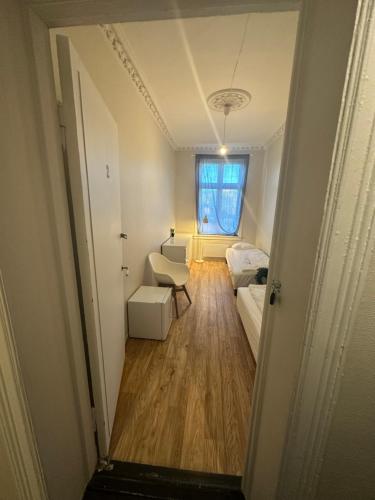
(175,300)
(186,293)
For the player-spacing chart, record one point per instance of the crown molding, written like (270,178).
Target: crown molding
(130,68)
(128,64)
(276,135)
(213,148)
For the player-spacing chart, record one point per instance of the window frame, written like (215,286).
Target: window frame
(198,186)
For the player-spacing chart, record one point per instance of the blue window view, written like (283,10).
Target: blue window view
(220,190)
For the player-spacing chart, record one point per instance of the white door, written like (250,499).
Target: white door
(93,173)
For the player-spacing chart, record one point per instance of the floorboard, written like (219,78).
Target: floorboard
(185,402)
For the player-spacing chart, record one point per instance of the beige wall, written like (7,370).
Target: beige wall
(146,159)
(303,184)
(185,194)
(348,468)
(8,480)
(267,202)
(30,267)
(29,264)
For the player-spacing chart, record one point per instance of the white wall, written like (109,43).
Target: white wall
(185,194)
(146,159)
(267,202)
(20,469)
(348,468)
(253,193)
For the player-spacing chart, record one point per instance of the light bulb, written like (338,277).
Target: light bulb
(223,150)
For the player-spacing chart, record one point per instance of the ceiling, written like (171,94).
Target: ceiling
(184,61)
(63,13)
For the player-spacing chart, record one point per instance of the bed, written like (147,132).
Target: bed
(250,302)
(244,263)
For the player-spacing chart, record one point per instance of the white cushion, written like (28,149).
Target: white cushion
(242,245)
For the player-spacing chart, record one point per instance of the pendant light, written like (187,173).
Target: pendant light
(230,99)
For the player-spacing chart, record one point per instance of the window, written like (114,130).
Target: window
(220,184)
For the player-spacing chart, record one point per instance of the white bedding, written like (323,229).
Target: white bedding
(250,302)
(243,265)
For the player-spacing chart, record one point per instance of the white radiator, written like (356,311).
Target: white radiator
(210,246)
(214,249)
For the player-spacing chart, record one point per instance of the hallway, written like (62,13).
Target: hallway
(185,402)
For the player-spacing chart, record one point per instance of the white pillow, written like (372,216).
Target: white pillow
(242,245)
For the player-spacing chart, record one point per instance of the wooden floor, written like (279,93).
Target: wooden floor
(185,402)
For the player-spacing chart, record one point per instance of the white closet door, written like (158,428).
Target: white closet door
(92,151)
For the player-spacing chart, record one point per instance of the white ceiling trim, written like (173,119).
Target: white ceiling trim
(276,135)
(136,78)
(213,148)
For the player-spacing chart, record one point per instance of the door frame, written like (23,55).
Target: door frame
(338,283)
(17,439)
(52,14)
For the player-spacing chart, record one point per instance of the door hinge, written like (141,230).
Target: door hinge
(60,113)
(93,417)
(62,126)
(104,463)
(275,291)
(63,138)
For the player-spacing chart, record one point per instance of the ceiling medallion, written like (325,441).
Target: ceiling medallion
(228,100)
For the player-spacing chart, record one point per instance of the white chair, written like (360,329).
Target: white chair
(171,274)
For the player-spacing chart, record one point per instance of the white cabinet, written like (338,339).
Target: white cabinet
(150,312)
(178,249)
